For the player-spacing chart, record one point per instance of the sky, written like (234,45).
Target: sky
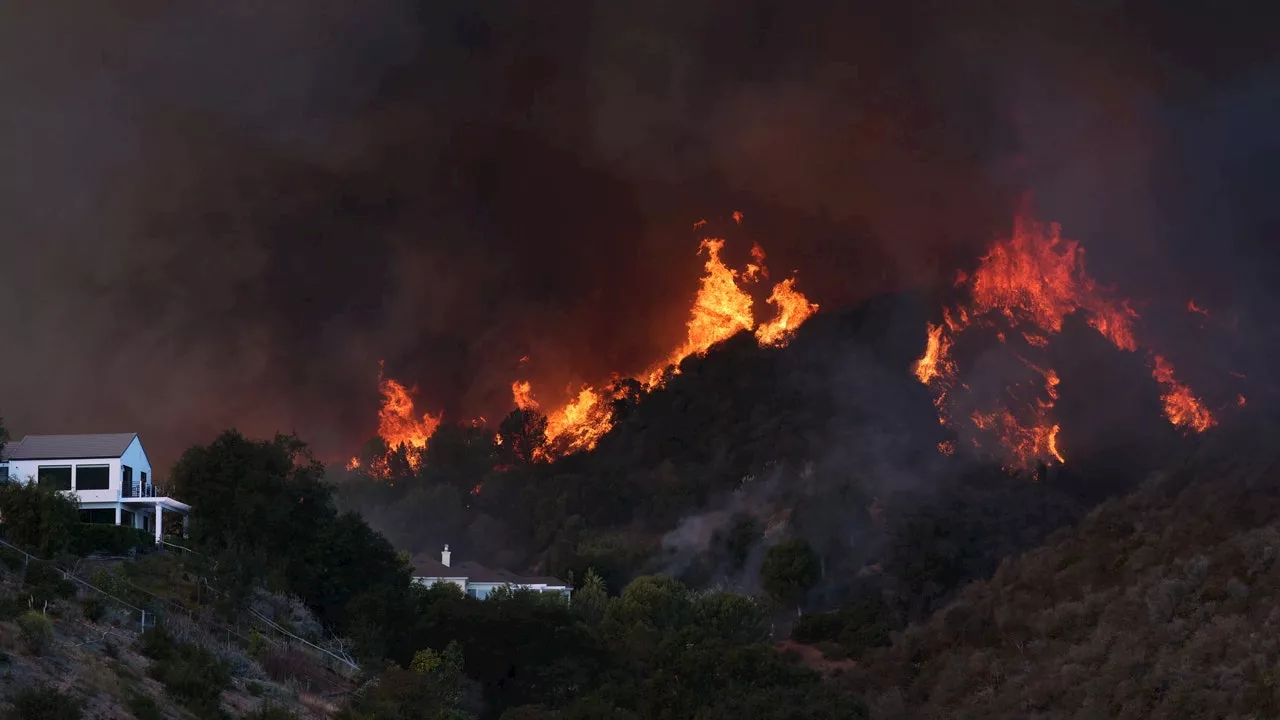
(226,214)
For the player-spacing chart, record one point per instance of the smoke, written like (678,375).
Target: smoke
(227,213)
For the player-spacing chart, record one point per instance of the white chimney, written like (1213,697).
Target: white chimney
(444,556)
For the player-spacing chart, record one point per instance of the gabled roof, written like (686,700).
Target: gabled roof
(69,447)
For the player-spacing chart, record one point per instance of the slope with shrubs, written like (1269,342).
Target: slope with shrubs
(1160,604)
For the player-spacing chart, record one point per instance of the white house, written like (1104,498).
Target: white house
(109,474)
(478,581)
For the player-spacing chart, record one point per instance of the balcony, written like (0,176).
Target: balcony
(138,490)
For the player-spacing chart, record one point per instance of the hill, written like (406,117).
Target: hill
(1158,604)
(830,439)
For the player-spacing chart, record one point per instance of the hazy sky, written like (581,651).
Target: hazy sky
(226,213)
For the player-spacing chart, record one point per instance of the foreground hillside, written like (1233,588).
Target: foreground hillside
(69,651)
(1159,604)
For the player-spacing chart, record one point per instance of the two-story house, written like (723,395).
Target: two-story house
(109,474)
(478,581)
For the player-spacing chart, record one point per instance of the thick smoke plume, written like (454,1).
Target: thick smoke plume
(227,213)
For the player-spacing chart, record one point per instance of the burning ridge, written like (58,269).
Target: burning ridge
(722,308)
(1025,287)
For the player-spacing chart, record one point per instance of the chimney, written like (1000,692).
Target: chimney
(444,556)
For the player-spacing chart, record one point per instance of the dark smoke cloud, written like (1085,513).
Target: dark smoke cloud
(227,213)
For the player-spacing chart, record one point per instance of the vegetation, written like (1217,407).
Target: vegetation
(36,517)
(45,703)
(37,630)
(193,675)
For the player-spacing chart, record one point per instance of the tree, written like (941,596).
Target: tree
(790,570)
(592,599)
(37,517)
(522,432)
(263,511)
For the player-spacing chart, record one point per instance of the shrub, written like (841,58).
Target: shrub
(37,630)
(89,538)
(45,703)
(93,608)
(144,707)
(11,606)
(193,675)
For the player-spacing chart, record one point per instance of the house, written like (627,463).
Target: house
(478,581)
(109,474)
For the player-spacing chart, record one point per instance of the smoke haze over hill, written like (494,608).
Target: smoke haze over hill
(228,213)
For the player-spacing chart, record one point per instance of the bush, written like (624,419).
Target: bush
(93,608)
(11,606)
(89,538)
(37,630)
(38,518)
(144,707)
(193,675)
(45,703)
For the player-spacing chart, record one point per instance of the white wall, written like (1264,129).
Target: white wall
(135,458)
(460,582)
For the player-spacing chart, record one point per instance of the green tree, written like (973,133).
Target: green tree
(38,518)
(431,688)
(790,570)
(592,599)
(263,511)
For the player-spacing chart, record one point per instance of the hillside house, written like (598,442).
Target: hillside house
(109,474)
(478,581)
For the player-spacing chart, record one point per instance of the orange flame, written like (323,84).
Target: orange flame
(721,309)
(1180,405)
(1034,280)
(793,309)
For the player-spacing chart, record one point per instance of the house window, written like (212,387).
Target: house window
(143,475)
(57,477)
(93,477)
(4,472)
(471,592)
(126,518)
(105,516)
(126,480)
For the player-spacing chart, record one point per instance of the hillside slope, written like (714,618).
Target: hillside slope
(63,644)
(1159,604)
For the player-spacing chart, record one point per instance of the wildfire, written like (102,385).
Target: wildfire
(722,307)
(1033,281)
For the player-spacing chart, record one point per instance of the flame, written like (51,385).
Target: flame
(722,308)
(522,393)
(1033,281)
(1180,405)
(397,423)
(793,309)
(1192,307)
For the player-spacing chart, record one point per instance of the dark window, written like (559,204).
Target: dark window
(471,592)
(103,516)
(126,518)
(93,477)
(4,472)
(57,477)
(144,479)
(126,480)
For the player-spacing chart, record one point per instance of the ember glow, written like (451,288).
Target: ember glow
(1028,285)
(399,426)
(722,307)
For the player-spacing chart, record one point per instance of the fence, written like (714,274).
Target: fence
(275,635)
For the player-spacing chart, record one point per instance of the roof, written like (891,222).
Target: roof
(428,567)
(69,447)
